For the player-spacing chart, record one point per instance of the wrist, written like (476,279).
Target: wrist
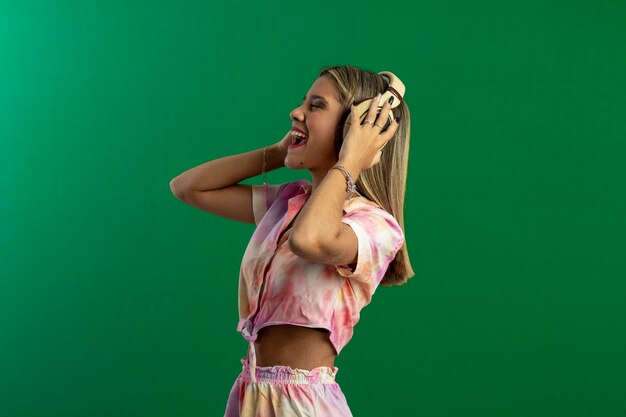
(350,172)
(351,166)
(274,157)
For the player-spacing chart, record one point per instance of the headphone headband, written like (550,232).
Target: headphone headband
(396,88)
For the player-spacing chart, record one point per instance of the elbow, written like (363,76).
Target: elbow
(302,245)
(305,247)
(296,244)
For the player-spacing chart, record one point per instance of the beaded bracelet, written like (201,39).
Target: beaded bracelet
(350,187)
(263,171)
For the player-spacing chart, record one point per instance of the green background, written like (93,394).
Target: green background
(117,299)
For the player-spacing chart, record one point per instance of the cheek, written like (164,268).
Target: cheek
(327,136)
(329,130)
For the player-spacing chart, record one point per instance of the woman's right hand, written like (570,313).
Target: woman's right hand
(284,143)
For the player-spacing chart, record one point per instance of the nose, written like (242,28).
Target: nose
(297,113)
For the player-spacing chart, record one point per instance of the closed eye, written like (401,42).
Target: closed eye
(318,106)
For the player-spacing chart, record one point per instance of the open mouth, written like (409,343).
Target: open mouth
(298,138)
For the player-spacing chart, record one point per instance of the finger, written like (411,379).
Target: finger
(383,116)
(354,115)
(371,114)
(391,130)
(388,134)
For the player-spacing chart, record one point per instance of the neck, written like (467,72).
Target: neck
(318,174)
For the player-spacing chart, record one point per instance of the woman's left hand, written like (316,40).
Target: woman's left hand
(363,143)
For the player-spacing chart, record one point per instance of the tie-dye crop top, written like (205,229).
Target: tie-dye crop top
(278,287)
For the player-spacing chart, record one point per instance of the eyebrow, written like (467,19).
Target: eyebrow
(316,96)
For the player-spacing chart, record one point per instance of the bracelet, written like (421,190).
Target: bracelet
(350,187)
(263,170)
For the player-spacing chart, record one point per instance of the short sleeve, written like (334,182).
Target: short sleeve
(379,237)
(262,199)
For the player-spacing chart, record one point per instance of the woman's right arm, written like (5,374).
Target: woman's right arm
(213,186)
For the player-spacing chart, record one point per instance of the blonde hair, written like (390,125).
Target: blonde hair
(385,182)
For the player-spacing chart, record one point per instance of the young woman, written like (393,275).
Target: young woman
(320,248)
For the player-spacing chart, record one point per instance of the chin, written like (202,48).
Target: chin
(294,164)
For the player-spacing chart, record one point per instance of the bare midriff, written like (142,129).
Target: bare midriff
(294,346)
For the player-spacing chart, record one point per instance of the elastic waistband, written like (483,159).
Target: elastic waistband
(287,375)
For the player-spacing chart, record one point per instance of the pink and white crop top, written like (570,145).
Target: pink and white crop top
(278,287)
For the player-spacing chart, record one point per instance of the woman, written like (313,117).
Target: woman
(320,248)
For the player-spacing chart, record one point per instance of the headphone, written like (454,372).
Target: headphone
(395,88)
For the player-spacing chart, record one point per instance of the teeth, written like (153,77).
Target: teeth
(295,135)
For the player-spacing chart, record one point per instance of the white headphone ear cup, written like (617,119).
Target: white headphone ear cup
(362,109)
(386,96)
(395,85)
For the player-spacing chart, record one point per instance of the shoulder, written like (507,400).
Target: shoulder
(375,221)
(265,196)
(297,187)
(272,191)
(360,204)
(378,238)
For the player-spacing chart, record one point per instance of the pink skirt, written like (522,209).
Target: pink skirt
(285,391)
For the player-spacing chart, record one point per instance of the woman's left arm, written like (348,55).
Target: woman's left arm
(318,232)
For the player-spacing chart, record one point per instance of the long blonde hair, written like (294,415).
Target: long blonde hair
(385,182)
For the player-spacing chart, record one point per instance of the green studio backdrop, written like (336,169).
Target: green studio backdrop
(117,299)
